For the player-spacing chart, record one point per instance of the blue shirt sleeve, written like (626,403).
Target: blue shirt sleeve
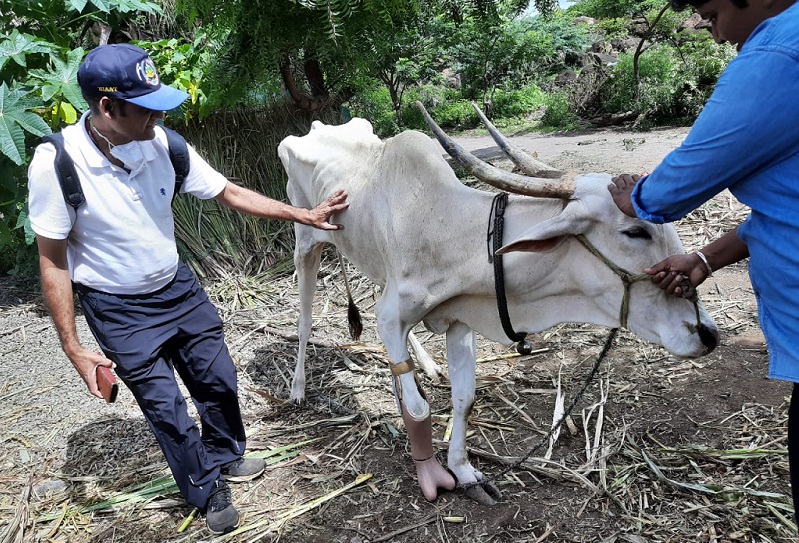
(748,125)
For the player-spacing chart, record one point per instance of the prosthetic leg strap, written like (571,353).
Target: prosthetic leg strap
(398,370)
(402,368)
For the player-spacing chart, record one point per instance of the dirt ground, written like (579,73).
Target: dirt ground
(657,449)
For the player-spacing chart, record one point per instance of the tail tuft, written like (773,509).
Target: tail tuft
(354,319)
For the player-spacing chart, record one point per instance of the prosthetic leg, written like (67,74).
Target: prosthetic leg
(430,474)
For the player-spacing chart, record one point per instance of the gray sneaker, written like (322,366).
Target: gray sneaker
(220,516)
(243,469)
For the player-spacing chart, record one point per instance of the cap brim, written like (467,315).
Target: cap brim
(164,99)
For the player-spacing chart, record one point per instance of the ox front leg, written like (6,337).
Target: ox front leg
(307,257)
(461,357)
(430,474)
(411,399)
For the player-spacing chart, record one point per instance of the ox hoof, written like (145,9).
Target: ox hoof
(485,493)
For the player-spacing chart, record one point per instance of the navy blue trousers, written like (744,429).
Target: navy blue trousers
(151,336)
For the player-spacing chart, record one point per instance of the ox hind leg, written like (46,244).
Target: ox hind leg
(307,256)
(461,358)
(411,400)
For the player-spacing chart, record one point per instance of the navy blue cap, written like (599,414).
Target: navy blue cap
(127,72)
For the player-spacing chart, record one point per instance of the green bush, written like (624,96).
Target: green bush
(658,87)
(458,114)
(374,104)
(557,113)
(446,105)
(518,102)
(614,27)
(672,86)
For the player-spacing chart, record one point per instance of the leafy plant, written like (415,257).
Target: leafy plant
(59,86)
(375,104)
(557,113)
(517,102)
(184,65)
(15,116)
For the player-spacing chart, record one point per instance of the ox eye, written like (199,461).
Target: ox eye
(637,233)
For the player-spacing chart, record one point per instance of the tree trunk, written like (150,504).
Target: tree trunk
(640,49)
(302,101)
(316,79)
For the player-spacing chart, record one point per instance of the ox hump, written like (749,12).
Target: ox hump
(327,143)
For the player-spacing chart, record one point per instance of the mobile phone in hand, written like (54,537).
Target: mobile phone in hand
(107,384)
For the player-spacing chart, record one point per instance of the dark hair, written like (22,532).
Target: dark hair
(94,103)
(678,5)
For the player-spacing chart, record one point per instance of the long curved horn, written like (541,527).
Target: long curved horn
(510,182)
(523,160)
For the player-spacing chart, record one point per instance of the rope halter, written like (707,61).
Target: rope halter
(627,279)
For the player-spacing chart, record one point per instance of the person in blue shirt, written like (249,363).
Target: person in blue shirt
(746,140)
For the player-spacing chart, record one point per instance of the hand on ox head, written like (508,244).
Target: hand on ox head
(621,189)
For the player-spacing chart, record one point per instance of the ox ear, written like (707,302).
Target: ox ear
(531,246)
(548,234)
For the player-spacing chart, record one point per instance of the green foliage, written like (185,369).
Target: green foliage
(254,37)
(15,115)
(557,40)
(658,84)
(557,114)
(614,27)
(515,52)
(488,56)
(518,102)
(607,9)
(62,23)
(59,87)
(374,104)
(183,64)
(18,46)
(456,114)
(672,87)
(447,107)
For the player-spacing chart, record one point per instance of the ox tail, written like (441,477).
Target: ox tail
(353,315)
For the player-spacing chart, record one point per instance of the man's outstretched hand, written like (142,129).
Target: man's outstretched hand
(319,216)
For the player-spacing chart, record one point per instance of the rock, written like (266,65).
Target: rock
(566,77)
(583,21)
(50,488)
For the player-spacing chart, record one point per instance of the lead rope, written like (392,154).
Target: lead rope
(566,414)
(627,279)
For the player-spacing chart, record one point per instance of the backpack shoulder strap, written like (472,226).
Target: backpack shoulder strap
(65,170)
(179,155)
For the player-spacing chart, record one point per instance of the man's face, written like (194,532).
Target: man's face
(141,122)
(729,23)
(133,123)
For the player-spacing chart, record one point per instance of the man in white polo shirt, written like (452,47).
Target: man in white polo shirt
(145,307)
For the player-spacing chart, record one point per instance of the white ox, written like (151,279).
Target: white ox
(415,229)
